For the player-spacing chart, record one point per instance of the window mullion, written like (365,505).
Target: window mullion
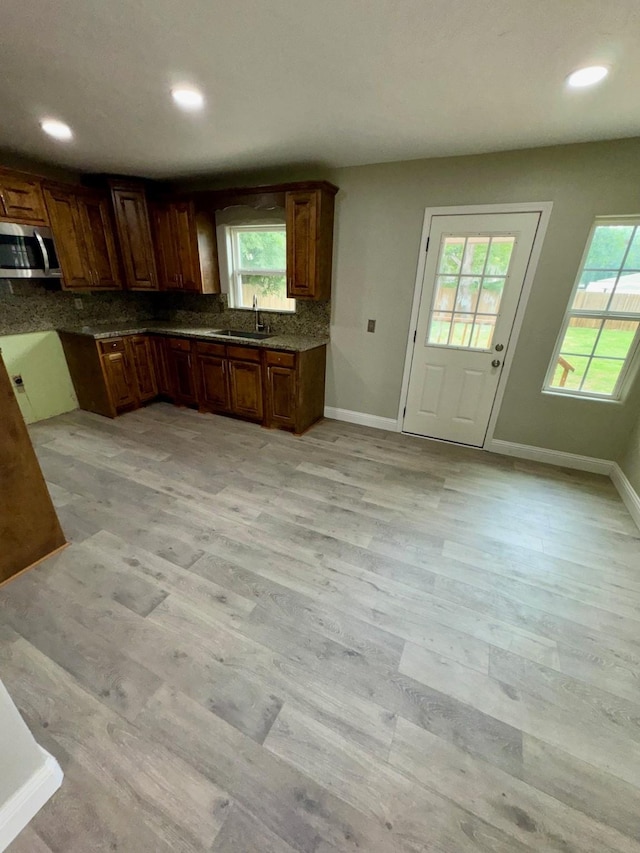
(622,263)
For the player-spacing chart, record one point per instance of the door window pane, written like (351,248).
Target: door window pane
(467,296)
(439,327)
(500,255)
(475,254)
(451,255)
(445,296)
(471,281)
(461,331)
(491,296)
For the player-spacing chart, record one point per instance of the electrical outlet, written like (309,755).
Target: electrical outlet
(371,325)
(18,381)
(78,303)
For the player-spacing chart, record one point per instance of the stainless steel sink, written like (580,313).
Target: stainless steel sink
(236,333)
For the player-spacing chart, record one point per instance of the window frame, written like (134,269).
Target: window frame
(630,365)
(232,233)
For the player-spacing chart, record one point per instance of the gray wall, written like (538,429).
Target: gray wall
(379,218)
(630,459)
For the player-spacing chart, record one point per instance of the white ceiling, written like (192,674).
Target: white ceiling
(318,82)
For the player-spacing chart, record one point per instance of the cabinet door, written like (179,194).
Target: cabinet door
(119,379)
(104,268)
(140,349)
(281,395)
(181,371)
(245,380)
(214,383)
(21,200)
(134,236)
(161,366)
(302,227)
(165,244)
(186,244)
(68,233)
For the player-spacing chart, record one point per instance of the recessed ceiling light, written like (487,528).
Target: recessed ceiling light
(188,98)
(587,76)
(57,129)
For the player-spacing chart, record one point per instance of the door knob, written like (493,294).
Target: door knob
(499,347)
(495,363)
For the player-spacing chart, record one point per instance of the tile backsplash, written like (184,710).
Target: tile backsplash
(35,307)
(310,318)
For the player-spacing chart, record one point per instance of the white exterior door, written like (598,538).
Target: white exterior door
(473,277)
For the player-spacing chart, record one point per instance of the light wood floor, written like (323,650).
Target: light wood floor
(351,641)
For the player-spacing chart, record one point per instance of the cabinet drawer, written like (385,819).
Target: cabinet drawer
(244,353)
(210,349)
(180,344)
(112,345)
(284,359)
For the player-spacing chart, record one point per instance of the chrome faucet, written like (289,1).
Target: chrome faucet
(259,325)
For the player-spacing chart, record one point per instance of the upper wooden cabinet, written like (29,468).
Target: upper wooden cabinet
(134,235)
(83,233)
(309,215)
(21,199)
(186,250)
(95,213)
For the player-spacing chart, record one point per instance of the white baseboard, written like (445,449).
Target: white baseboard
(551,457)
(27,801)
(361,418)
(626,491)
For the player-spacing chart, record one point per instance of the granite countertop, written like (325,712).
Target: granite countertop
(293,343)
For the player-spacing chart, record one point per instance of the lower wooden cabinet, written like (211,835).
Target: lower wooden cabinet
(120,379)
(245,382)
(277,389)
(181,371)
(213,377)
(160,363)
(143,361)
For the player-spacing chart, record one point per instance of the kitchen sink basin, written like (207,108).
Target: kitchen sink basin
(236,333)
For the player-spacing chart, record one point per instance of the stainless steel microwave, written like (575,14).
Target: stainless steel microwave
(27,251)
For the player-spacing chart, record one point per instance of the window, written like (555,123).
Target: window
(472,271)
(599,335)
(258,267)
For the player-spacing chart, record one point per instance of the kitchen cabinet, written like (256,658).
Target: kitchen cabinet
(134,235)
(21,199)
(278,389)
(67,228)
(213,377)
(182,375)
(99,240)
(118,372)
(186,251)
(142,355)
(245,382)
(29,527)
(281,388)
(159,356)
(83,234)
(111,375)
(309,218)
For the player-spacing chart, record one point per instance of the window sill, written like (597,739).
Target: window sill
(582,397)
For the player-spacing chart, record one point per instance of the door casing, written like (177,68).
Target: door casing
(544,209)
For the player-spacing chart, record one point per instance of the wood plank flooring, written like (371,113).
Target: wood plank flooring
(349,641)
